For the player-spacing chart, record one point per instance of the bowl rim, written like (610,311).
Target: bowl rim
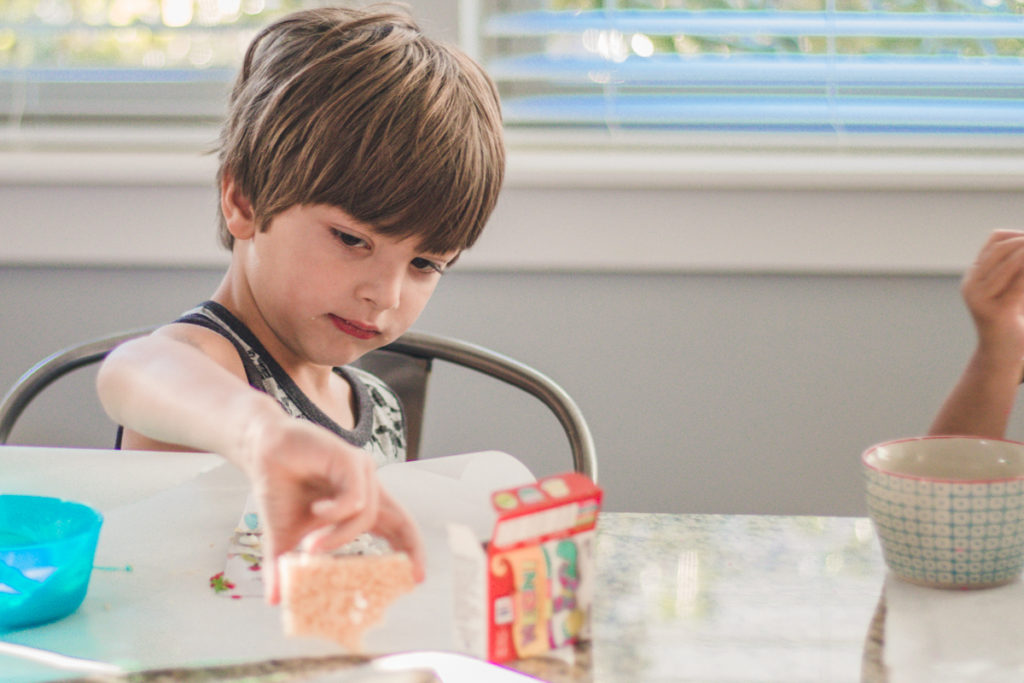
(95,523)
(935,437)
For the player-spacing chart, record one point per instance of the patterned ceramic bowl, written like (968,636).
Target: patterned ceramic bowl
(949,511)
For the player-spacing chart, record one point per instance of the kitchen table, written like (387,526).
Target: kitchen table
(679,597)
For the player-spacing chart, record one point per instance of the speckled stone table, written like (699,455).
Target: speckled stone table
(699,598)
(677,597)
(734,598)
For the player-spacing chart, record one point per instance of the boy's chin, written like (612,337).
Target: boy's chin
(354,353)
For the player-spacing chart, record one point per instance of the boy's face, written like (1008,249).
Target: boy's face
(330,288)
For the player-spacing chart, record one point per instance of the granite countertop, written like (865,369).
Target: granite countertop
(734,597)
(696,597)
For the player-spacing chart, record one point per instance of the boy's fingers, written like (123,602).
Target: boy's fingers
(395,525)
(336,535)
(352,483)
(342,528)
(412,545)
(337,509)
(271,591)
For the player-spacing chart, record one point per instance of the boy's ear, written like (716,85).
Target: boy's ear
(237,209)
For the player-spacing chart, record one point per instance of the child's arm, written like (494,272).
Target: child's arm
(993,289)
(304,477)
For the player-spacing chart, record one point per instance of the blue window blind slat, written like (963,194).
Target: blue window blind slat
(775,113)
(114,75)
(39,28)
(766,71)
(162,62)
(760,22)
(783,69)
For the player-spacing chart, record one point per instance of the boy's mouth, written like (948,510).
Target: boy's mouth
(358,330)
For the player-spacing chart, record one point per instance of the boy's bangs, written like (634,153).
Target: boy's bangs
(423,161)
(399,131)
(444,215)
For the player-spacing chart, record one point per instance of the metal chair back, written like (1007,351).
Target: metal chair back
(405,365)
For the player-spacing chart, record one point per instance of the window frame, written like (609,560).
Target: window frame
(157,170)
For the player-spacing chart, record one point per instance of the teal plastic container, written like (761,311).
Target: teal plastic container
(47,547)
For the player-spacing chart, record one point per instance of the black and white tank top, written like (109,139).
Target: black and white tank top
(379,422)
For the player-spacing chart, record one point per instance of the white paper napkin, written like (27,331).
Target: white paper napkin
(967,636)
(105,479)
(154,608)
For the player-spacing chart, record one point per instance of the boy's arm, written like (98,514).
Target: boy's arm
(177,389)
(993,289)
(304,477)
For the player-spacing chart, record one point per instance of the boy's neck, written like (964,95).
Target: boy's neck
(325,388)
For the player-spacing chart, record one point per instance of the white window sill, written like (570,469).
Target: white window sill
(575,167)
(571,208)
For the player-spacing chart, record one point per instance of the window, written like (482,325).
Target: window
(893,72)
(906,71)
(124,61)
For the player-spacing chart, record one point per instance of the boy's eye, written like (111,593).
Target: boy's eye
(427,265)
(348,239)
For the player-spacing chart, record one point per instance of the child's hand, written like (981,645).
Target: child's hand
(307,480)
(391,522)
(993,289)
(981,402)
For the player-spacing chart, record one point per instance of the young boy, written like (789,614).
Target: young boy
(993,289)
(358,159)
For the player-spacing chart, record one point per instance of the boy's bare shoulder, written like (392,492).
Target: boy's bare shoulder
(212,344)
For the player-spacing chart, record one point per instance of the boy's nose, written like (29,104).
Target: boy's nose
(383,289)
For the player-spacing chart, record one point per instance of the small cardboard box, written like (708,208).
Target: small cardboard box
(529,589)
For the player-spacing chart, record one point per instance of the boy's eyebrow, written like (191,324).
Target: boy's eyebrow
(338,215)
(440,254)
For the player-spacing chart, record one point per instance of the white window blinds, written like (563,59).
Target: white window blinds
(893,68)
(899,69)
(124,61)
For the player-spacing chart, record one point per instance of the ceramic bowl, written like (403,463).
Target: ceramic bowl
(46,553)
(949,511)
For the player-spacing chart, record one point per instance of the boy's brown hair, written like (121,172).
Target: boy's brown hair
(358,109)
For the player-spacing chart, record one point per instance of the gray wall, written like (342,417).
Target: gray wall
(709,386)
(705,393)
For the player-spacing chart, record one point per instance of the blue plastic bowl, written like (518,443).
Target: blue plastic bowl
(47,547)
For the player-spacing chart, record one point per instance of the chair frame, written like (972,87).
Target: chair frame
(420,345)
(53,367)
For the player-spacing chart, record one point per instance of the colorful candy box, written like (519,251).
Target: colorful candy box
(530,588)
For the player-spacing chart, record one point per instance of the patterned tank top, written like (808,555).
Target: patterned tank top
(379,421)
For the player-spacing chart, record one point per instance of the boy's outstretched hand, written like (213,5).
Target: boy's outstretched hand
(309,483)
(168,388)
